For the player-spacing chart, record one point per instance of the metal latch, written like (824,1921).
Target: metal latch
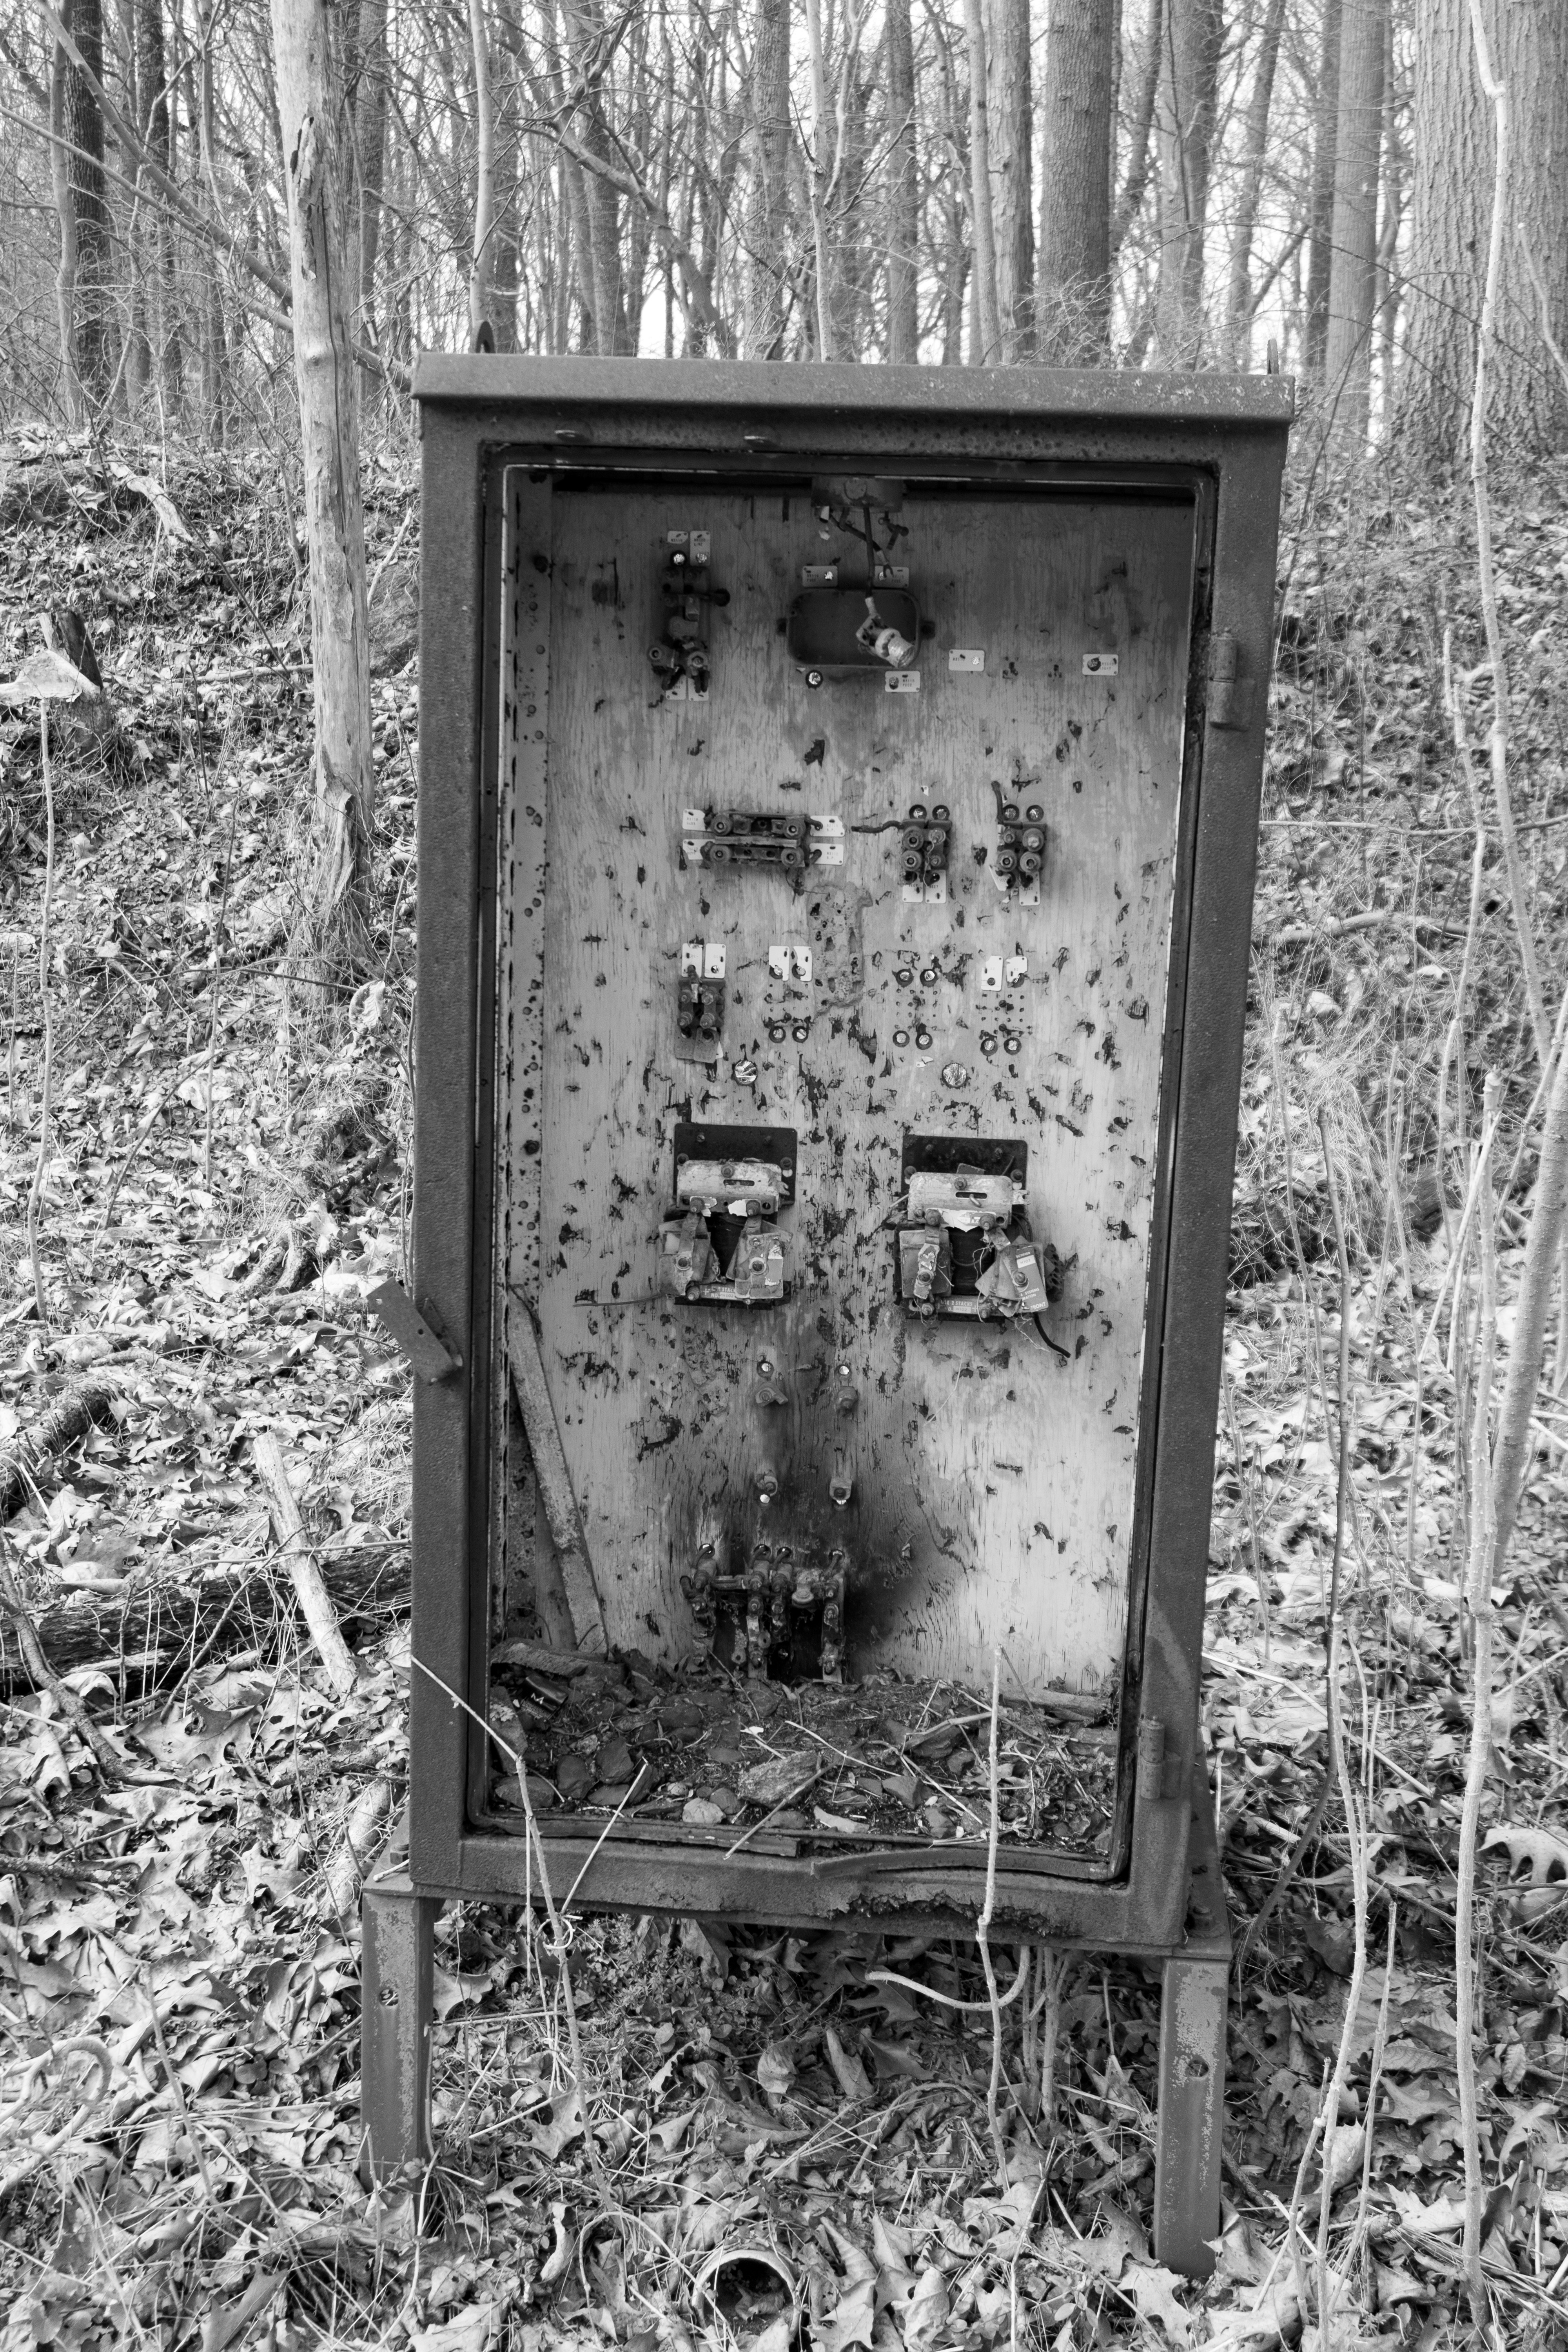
(418,1335)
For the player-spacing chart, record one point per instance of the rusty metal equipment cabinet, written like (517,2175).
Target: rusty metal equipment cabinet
(838,821)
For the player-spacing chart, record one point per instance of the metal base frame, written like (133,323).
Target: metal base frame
(399,1921)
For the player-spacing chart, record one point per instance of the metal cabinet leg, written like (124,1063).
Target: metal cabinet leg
(396,1990)
(1192,2110)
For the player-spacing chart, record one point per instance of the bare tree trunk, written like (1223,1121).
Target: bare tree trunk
(1353,275)
(370,147)
(1188,96)
(1320,197)
(767,211)
(817,183)
(332,929)
(215,331)
(903,190)
(1238,307)
(95,337)
(1130,203)
(601,203)
(1073,303)
(65,209)
(482,267)
(155,124)
(1453,141)
(986,343)
(1009,112)
(1395,162)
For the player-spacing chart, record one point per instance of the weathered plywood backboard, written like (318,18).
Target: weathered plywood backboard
(982,1479)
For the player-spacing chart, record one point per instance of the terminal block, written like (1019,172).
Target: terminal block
(680,656)
(785,842)
(925,841)
(721,1242)
(1020,859)
(699,1001)
(964,1246)
(782,1612)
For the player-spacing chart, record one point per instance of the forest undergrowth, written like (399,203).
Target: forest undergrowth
(185,1806)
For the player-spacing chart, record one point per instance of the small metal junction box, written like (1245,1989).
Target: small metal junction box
(836,839)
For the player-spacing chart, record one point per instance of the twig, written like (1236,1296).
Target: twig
(1478,1597)
(88,2100)
(1288,1869)
(140,1137)
(1294,2234)
(36,1194)
(1498,735)
(573,1567)
(217,968)
(315,1600)
(362,1836)
(1527,1344)
(1451,1035)
(177,2092)
(983,1932)
(1375,2075)
(1356,1820)
(1243,1480)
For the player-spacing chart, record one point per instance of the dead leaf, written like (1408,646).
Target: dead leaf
(1157,2292)
(852,2320)
(470,2331)
(852,2075)
(923,2316)
(554,2264)
(775,2071)
(223,2322)
(778,1778)
(1345,2163)
(560,2129)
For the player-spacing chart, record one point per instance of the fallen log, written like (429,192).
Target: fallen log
(70,1417)
(158,1630)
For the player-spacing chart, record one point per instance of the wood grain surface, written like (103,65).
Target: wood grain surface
(992,1477)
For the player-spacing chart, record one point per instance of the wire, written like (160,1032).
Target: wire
(970,2008)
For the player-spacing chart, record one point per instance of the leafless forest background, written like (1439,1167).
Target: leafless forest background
(224,234)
